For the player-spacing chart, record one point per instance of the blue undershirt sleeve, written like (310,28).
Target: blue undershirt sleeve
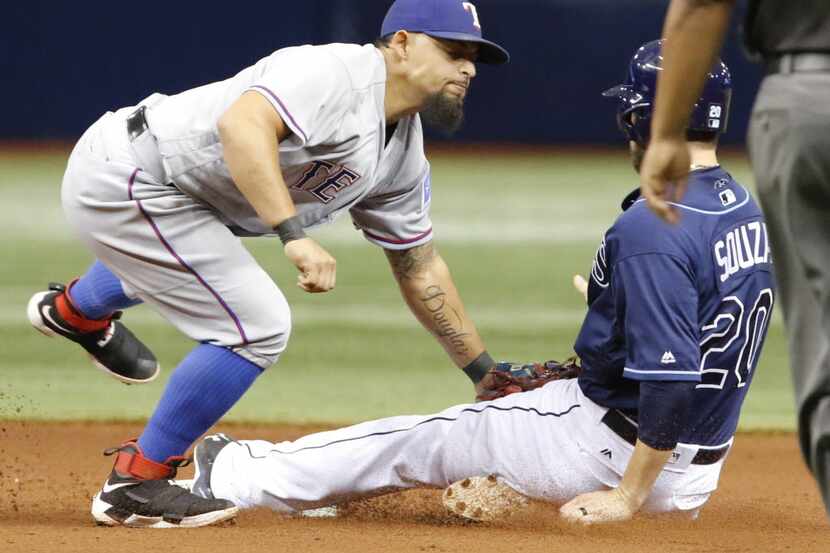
(662,412)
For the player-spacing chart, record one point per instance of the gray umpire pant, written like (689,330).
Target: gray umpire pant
(789,144)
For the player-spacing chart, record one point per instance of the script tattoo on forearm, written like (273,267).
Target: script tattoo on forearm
(411,269)
(408,263)
(448,323)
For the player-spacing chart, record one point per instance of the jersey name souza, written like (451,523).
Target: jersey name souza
(743,247)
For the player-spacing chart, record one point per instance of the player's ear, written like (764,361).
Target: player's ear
(401,42)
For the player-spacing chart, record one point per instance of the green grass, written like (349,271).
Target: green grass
(512,228)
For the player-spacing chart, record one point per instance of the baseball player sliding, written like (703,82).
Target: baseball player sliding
(160,193)
(676,320)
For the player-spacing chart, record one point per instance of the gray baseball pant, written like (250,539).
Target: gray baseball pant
(169,250)
(789,144)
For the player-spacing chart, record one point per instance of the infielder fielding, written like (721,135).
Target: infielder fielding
(161,192)
(789,145)
(676,321)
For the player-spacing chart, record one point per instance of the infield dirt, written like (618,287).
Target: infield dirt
(49,472)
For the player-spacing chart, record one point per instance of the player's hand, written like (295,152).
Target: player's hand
(663,175)
(318,269)
(597,507)
(489,388)
(581,285)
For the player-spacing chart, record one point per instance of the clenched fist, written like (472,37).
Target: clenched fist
(318,269)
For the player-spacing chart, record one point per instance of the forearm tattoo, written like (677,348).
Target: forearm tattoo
(408,263)
(447,323)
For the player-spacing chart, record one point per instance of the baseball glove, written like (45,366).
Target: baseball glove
(511,378)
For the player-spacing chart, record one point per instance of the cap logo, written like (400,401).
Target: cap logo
(474,12)
(715,114)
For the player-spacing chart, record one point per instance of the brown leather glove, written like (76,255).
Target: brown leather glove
(511,378)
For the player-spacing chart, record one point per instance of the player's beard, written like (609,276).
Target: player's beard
(444,113)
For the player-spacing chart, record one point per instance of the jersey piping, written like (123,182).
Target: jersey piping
(472,410)
(291,122)
(183,263)
(708,212)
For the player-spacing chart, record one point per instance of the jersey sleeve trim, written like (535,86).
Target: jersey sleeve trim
(396,244)
(638,374)
(709,447)
(288,119)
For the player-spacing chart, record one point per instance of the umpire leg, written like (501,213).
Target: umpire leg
(789,143)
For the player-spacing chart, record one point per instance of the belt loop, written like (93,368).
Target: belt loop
(144,146)
(785,64)
(137,123)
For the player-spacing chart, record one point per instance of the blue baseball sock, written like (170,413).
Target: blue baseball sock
(205,385)
(99,292)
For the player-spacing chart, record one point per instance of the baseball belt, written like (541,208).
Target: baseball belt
(144,145)
(806,62)
(627,430)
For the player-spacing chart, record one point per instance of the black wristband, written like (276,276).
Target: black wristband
(478,368)
(290,229)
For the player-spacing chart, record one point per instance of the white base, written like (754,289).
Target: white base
(322,512)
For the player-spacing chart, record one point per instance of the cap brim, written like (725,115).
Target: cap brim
(489,52)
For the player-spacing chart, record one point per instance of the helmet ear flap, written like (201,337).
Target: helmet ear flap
(635,123)
(624,124)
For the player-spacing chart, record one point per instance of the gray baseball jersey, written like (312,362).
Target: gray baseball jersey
(170,245)
(332,99)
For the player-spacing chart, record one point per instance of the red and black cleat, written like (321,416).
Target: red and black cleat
(113,348)
(141,493)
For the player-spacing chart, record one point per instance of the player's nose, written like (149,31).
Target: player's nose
(468,69)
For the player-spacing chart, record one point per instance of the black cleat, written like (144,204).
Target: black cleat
(128,500)
(203,457)
(113,349)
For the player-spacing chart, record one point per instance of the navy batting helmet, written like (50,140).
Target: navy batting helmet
(710,113)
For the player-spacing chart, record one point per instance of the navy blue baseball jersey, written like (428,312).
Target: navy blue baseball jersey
(685,302)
